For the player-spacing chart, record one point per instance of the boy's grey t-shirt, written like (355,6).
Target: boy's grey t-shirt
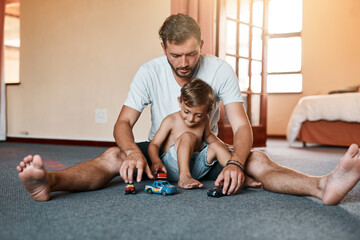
(154,84)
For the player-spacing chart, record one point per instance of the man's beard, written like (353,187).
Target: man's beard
(192,70)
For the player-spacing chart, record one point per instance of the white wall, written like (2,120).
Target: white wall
(79,56)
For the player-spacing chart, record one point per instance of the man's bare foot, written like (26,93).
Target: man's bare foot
(34,177)
(345,176)
(187,182)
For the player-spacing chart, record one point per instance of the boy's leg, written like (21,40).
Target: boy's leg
(330,188)
(89,175)
(184,146)
(201,163)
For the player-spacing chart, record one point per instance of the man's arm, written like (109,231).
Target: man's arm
(243,140)
(133,157)
(160,137)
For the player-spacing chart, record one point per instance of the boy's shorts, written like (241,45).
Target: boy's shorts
(211,174)
(198,165)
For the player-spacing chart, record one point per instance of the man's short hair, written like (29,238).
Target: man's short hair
(179,28)
(197,93)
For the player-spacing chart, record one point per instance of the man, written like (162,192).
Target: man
(158,82)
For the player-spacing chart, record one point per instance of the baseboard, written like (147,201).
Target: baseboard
(74,142)
(276,136)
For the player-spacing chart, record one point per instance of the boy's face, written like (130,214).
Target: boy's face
(192,116)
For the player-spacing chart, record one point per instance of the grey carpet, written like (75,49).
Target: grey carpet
(109,214)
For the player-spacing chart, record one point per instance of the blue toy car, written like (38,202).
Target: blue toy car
(161,187)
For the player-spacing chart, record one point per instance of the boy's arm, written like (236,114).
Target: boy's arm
(209,136)
(155,144)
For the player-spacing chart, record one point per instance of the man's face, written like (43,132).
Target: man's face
(192,116)
(183,58)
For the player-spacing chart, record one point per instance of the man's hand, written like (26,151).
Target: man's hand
(134,160)
(233,178)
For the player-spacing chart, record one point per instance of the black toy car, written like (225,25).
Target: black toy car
(216,191)
(130,189)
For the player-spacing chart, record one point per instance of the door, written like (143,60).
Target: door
(241,31)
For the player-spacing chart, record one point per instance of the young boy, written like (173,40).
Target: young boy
(190,148)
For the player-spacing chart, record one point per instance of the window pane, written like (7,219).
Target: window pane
(284,83)
(230,37)
(231,9)
(258,13)
(256,48)
(256,76)
(232,61)
(284,54)
(243,74)
(255,109)
(245,11)
(285,16)
(244,40)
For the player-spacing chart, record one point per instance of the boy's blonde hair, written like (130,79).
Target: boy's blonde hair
(196,92)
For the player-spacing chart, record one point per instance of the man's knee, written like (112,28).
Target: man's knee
(257,163)
(112,155)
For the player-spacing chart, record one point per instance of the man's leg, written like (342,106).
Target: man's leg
(330,188)
(89,175)
(184,146)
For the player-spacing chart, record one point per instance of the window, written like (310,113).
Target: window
(12,43)
(284,46)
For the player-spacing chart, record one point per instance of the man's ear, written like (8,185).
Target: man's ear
(201,44)
(210,108)
(163,47)
(179,101)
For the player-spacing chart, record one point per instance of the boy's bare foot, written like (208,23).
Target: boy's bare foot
(345,176)
(187,182)
(251,183)
(34,177)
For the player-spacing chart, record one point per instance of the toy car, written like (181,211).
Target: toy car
(160,175)
(216,191)
(161,187)
(130,189)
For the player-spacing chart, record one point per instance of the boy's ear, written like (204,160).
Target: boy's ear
(179,101)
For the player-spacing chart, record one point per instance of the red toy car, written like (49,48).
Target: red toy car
(130,189)
(159,174)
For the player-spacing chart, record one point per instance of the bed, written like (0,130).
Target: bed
(332,119)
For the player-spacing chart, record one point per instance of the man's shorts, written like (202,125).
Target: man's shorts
(197,163)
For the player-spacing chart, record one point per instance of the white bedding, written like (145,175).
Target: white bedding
(345,107)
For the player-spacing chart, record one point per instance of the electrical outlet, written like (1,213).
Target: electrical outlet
(100,116)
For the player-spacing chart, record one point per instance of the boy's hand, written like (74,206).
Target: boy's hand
(134,160)
(158,166)
(233,178)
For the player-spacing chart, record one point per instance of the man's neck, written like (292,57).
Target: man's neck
(181,81)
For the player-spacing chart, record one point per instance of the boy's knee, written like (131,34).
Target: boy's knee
(188,137)
(215,146)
